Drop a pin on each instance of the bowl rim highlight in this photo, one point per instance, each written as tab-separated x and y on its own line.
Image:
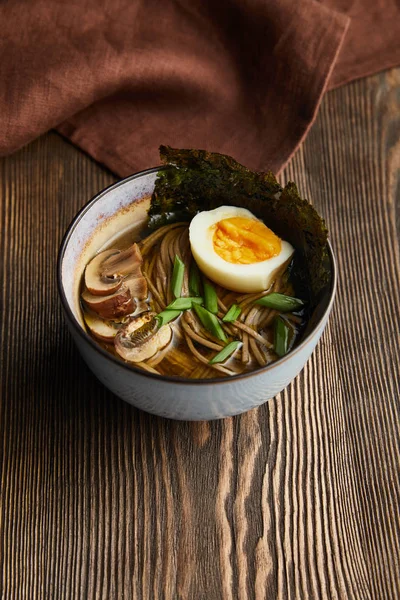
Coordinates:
171	378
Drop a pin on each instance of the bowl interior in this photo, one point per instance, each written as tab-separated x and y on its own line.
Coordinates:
118	209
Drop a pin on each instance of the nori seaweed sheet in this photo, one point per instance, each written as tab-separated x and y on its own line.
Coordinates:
196	180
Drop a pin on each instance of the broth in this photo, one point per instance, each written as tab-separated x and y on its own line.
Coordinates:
192	345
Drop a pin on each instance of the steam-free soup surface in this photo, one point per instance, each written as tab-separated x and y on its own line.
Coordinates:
191	339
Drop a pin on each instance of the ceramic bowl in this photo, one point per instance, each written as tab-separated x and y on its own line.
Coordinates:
121	207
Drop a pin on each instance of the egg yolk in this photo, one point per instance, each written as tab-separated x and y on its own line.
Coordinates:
245	241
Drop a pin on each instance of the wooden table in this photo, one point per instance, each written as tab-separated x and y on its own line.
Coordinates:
298	499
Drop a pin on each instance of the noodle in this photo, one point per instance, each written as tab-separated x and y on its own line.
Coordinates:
251	332
222	305
147	367
192	345
257	353
173	240
202	359
294	318
154	292
149	242
245	349
167	249
199	339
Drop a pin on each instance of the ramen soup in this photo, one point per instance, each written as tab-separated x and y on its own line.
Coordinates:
213	297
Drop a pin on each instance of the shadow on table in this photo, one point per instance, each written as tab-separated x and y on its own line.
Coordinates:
62	385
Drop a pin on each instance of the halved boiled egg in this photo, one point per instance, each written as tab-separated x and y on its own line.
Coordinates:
235	249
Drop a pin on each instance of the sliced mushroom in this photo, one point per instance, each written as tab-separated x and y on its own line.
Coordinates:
106	271
126	262
113	306
142	337
101	329
96	282
137	286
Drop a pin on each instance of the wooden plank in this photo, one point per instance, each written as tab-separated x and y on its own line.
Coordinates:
298	499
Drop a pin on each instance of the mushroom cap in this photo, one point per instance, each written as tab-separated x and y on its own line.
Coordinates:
112	306
105	273
142	337
96	281
123	262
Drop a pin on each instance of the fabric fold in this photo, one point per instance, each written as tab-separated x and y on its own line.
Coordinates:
119	78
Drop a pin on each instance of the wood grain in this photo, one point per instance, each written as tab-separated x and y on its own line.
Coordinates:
296	500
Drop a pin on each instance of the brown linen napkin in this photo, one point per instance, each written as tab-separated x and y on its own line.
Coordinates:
372	42
121	77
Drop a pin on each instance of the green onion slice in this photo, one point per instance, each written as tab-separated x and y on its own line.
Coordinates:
232	314
194	279
210	322
281	336
225	353
167	315
280	302
184	303
210	297
177	277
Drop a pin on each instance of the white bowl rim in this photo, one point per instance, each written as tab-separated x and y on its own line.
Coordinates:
171	378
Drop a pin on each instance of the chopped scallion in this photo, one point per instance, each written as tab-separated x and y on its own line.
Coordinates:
225	352
177	277
232	314
210	297
210	322
184	303
281	336
167	315
194	279
280	302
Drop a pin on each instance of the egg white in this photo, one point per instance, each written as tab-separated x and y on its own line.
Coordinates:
244	278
